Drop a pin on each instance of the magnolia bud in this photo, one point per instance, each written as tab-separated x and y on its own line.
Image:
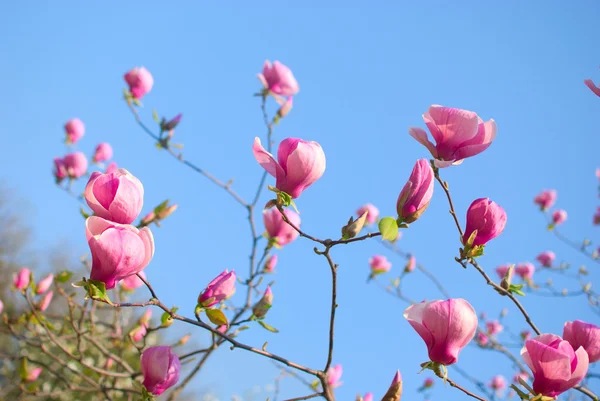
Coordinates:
167	211
262	307
394	393
353	228
183	340
507	279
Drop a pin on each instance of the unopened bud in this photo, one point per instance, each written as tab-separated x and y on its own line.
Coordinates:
507	279
183	340
583	271
262	307
148	219
354	227
166	212
285	108
411	264
270	264
170	125
394	393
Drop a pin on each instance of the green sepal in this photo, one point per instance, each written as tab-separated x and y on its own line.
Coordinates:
217	317
388	228
516	289
268	327
84	213
97	290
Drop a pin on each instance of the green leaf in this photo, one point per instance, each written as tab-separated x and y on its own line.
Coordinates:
516	289
23	369
97	290
155	116
216	316
388	228
268	327
64	276
84	213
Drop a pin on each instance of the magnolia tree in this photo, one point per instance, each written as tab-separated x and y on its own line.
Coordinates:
101	348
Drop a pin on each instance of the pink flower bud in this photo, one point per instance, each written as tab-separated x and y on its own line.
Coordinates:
33	374
520	375
112	167
428	383
458	134
1	306
525	335
60	170
103	152
118	250
278	78
145	318
525	270
586	335
160	367
482	339
277	229
221	288
494	327
109	364
264	304
139	332
497	383
167	211
545	199
171	124
546	258
75	130
502	270
556	367
44	284
286	107
45	301
222	329
270	264
373	214
117	196
559	217
590	84
487	218
379	264
410	264
416	194
149	218
132	282
140	82
299	164
445	326
21	279
74	164
334	374
394	392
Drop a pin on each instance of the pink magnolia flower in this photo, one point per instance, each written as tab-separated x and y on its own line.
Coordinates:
299	164
103	152
334	374
73	165
74	129
45	301
373	214
270	264
117	196
140	82
417	192
278	78
112	167
525	270
277	229
458	134
21	279
520	375
590	84
221	288
379	264
410	264
160	367
559	217
546	258
494	327
132	282
33	374
43	285
502	270
586	335
368	397
545	199
498	383
487	218
482	339
445	326
556	367
118	250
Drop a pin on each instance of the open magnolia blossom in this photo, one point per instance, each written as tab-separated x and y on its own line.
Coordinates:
458	134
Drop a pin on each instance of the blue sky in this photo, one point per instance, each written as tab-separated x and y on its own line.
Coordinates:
367	72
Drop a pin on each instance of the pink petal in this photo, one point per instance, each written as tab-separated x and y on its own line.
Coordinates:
266	160
421	136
